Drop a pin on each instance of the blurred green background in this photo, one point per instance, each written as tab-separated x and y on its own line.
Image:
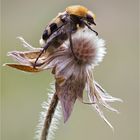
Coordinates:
23	93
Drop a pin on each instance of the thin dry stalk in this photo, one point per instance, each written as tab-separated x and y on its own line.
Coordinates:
49	117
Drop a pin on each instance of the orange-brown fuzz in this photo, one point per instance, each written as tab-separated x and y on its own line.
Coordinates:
77	10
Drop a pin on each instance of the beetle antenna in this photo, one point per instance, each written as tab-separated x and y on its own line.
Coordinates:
90	28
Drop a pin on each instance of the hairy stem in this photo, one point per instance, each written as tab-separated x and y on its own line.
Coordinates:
49	117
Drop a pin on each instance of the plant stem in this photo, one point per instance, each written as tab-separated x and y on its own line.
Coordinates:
49	117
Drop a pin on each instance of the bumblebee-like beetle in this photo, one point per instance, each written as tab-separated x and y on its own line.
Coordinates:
63	26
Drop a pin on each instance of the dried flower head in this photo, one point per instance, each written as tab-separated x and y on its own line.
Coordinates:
72	76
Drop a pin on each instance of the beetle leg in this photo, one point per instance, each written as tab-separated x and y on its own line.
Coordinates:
42	51
71	44
47	45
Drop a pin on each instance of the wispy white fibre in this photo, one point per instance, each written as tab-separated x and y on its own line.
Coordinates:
55	120
27	45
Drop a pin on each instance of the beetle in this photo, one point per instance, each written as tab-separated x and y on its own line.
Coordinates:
64	25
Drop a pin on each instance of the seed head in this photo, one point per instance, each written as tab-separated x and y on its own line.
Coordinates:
88	48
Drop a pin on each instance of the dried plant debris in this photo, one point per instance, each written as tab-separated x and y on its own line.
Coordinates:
72	75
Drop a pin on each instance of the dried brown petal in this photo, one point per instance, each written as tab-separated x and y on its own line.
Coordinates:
24	67
28	57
